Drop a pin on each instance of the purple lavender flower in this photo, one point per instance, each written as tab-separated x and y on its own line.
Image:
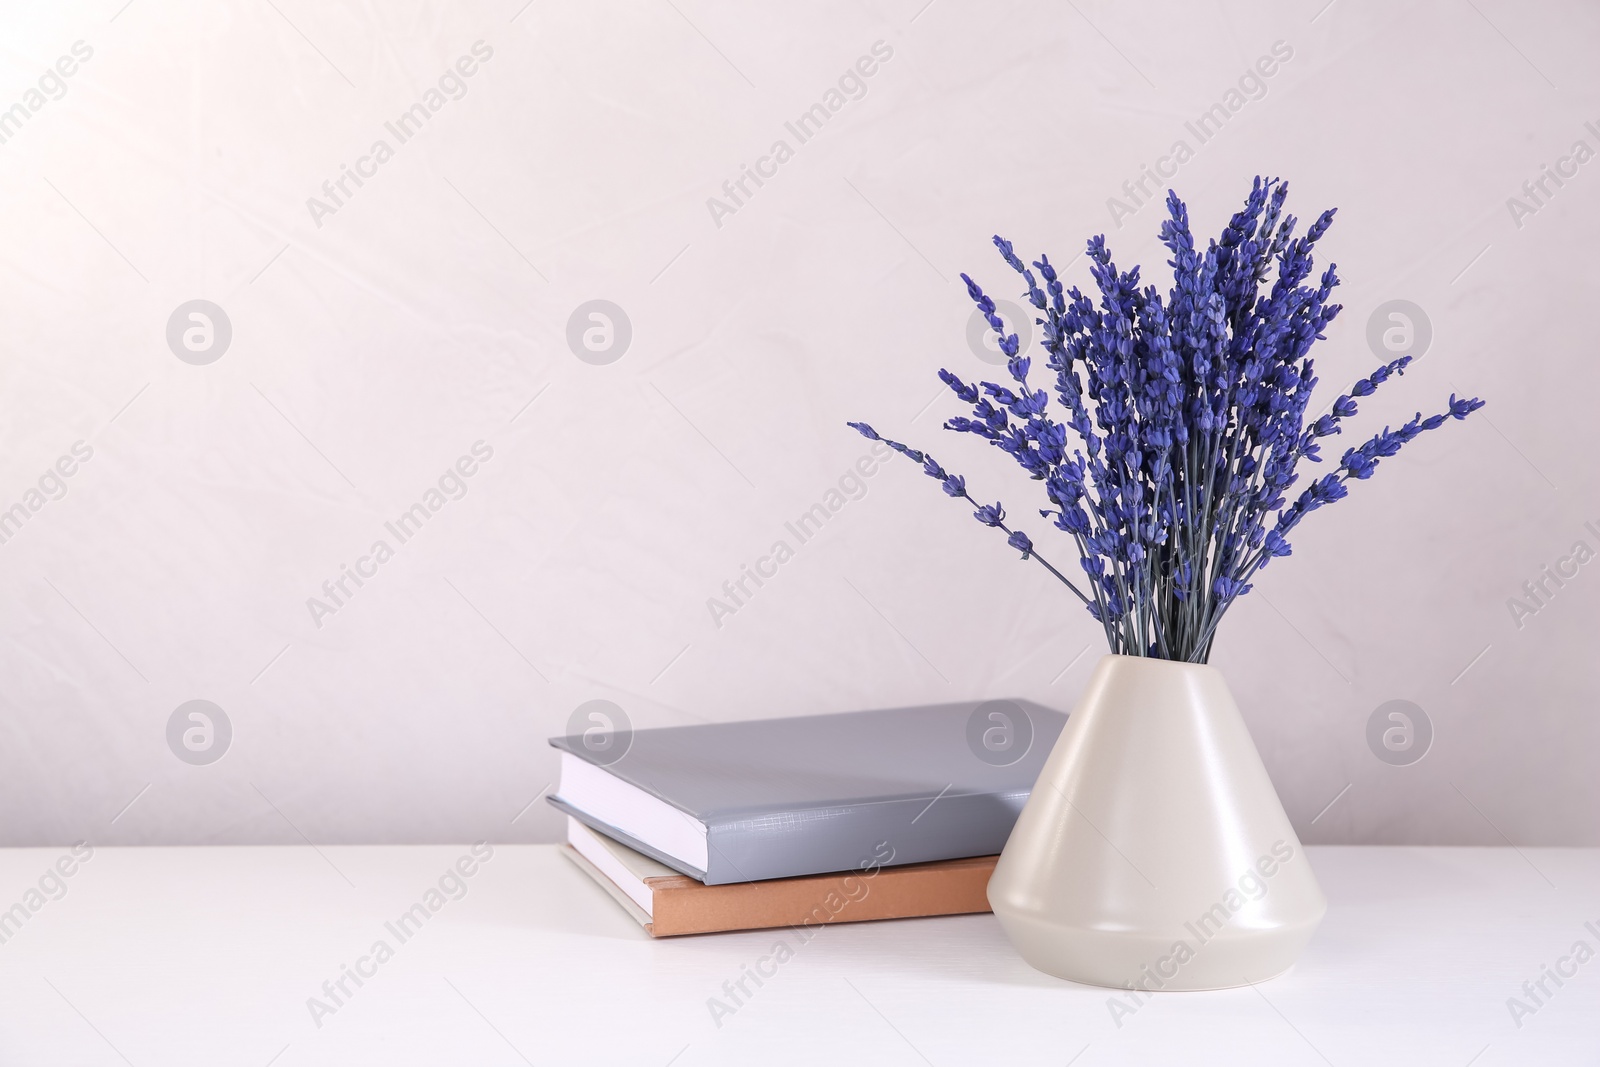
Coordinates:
1191	413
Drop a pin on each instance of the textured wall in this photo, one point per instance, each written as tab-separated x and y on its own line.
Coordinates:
419	338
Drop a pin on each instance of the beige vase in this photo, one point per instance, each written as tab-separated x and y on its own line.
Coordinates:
1153	852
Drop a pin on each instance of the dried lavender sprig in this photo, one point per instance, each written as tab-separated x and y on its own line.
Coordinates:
955	486
1357	464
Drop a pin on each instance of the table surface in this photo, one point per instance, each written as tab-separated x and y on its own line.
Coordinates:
173	956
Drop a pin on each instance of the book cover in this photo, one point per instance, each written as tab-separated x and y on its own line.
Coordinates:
780	798
668	904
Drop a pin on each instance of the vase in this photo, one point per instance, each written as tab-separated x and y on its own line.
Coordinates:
1153	852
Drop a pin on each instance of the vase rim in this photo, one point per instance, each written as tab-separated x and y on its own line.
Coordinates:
1177	663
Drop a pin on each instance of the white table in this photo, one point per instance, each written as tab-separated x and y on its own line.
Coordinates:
207	956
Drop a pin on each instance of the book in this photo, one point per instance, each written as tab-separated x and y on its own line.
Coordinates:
784	798
669	904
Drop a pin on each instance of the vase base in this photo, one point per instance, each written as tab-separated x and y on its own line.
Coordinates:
1156	963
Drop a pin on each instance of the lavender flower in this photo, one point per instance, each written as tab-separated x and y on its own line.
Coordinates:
1187	416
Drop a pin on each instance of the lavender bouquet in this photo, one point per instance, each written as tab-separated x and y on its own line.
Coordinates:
1189	415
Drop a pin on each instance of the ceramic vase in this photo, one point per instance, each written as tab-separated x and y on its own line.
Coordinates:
1153	852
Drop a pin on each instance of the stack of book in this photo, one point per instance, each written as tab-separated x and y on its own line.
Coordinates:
818	819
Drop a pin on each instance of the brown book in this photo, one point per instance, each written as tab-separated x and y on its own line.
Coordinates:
667	903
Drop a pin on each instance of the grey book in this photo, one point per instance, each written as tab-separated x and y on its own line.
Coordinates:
780	798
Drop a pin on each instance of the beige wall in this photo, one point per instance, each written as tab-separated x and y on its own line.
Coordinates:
378	338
